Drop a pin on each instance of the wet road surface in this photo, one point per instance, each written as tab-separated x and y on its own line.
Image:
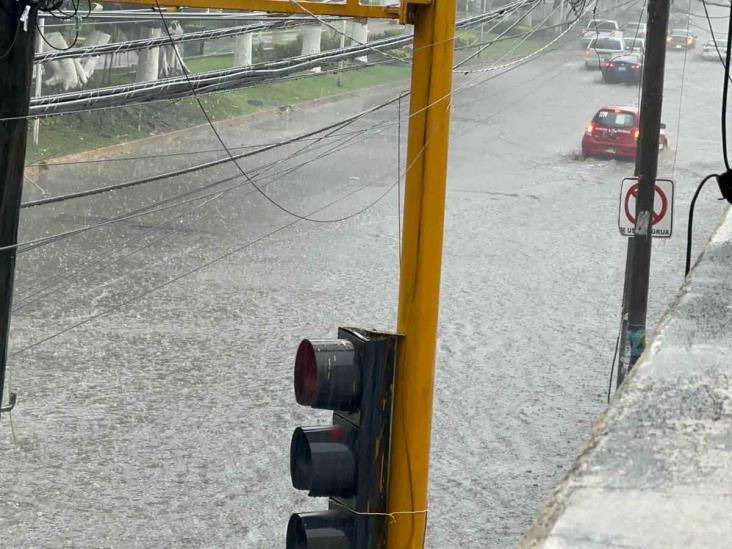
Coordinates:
166	421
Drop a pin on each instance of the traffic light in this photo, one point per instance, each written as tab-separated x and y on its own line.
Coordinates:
348	460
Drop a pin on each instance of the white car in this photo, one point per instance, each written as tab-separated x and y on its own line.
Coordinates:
712	51
600	29
600	50
635	45
635	30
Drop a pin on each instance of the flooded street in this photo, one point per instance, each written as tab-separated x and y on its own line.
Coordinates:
162	415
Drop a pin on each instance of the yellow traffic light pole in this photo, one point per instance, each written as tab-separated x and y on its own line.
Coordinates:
424	209
419	283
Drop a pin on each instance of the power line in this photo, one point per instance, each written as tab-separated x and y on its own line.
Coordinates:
198	268
229	158
725	90
146	43
511	26
53	282
339	146
711	30
203	83
158	156
220	139
177	173
221	80
535	53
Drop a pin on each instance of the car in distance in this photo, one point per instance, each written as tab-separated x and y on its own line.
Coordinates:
600	50
635	45
714	48
635	30
599	28
680	39
623	68
613	132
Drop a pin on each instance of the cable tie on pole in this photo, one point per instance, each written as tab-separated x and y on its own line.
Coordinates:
392	515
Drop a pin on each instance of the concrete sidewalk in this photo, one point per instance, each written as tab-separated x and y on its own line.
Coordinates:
657	470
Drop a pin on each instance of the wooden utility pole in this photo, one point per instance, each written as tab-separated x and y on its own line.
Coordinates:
638	259
17	37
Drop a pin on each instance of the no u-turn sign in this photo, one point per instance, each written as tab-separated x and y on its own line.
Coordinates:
663	208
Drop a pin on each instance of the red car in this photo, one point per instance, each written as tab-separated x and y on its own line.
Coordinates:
614	132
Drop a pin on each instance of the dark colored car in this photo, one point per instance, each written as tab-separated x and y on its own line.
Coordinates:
614	132
680	39
624	68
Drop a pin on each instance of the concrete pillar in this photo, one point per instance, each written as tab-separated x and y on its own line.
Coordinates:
311	41
62	71
243	50
169	63
148	61
96	38
529	19
360	35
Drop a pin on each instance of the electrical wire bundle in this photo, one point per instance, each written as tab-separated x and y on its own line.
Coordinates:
724	180
255	175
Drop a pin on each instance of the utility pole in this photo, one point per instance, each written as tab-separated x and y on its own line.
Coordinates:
419	281
344	23
17	35
638	259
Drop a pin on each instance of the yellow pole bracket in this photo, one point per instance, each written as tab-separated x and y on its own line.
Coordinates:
350	8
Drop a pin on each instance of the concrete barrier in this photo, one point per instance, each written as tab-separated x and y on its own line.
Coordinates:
657	469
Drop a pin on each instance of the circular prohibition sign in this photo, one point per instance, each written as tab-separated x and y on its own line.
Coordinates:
657	216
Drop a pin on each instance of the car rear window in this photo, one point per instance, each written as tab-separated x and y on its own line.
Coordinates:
631	58
606	44
615	119
602	25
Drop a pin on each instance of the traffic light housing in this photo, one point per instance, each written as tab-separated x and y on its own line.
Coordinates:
348	460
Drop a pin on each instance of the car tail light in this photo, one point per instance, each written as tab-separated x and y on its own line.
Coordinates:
609	65
689	41
636	134
589	128
635	66
588	53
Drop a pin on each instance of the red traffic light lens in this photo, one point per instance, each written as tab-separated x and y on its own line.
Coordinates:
306	374
327	375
